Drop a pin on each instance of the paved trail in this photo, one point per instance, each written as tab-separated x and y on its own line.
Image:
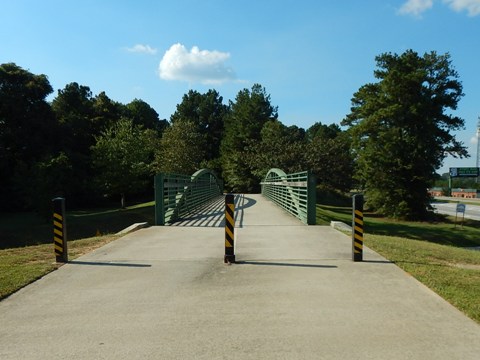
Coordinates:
164	293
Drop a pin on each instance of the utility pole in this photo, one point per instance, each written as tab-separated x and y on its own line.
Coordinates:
478	144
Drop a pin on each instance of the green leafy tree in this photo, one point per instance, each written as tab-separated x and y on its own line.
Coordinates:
328	155
122	158
106	112
143	114
243	125
321	131
49	179
280	146
208	113
27	130
74	109
182	149
401	130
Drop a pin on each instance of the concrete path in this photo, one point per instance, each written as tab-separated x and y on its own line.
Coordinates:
164	293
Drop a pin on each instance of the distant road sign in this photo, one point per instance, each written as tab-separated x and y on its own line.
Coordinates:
464	172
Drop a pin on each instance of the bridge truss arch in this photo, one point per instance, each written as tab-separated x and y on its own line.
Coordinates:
177	195
295	193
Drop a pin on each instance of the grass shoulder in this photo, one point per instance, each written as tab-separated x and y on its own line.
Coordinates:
26	243
22	266
432	252
25	229
452	272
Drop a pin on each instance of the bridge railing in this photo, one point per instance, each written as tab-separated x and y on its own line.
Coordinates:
295	193
177	195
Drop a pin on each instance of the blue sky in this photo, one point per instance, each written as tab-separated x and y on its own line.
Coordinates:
311	56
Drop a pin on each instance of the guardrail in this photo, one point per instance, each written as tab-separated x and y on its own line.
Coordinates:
177	195
295	193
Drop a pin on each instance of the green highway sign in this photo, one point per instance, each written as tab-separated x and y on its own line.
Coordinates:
464	172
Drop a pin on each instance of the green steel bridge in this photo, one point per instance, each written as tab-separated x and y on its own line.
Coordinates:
198	199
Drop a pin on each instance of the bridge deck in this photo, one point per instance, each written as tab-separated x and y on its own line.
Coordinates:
212	213
164	293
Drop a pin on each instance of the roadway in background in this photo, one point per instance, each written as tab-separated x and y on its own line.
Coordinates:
449	208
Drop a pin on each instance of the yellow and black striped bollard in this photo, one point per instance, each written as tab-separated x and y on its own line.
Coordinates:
229	229
60	230
357	228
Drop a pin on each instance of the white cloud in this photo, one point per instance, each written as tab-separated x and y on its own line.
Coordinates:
144	49
415	7
418	7
472	6
195	66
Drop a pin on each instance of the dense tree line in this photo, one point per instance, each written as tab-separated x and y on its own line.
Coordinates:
87	147
72	146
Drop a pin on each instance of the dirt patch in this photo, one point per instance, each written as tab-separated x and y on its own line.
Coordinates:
466	266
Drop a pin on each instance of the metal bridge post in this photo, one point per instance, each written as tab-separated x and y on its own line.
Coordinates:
229	229
60	230
159	200
311	199
357	228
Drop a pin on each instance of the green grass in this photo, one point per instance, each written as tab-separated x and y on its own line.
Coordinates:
27	240
432	252
453	273
442	231
22	266
25	229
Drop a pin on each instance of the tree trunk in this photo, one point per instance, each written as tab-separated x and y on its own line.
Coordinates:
122	200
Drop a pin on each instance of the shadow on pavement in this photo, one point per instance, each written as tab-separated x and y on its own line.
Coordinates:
212	214
75	262
262	263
